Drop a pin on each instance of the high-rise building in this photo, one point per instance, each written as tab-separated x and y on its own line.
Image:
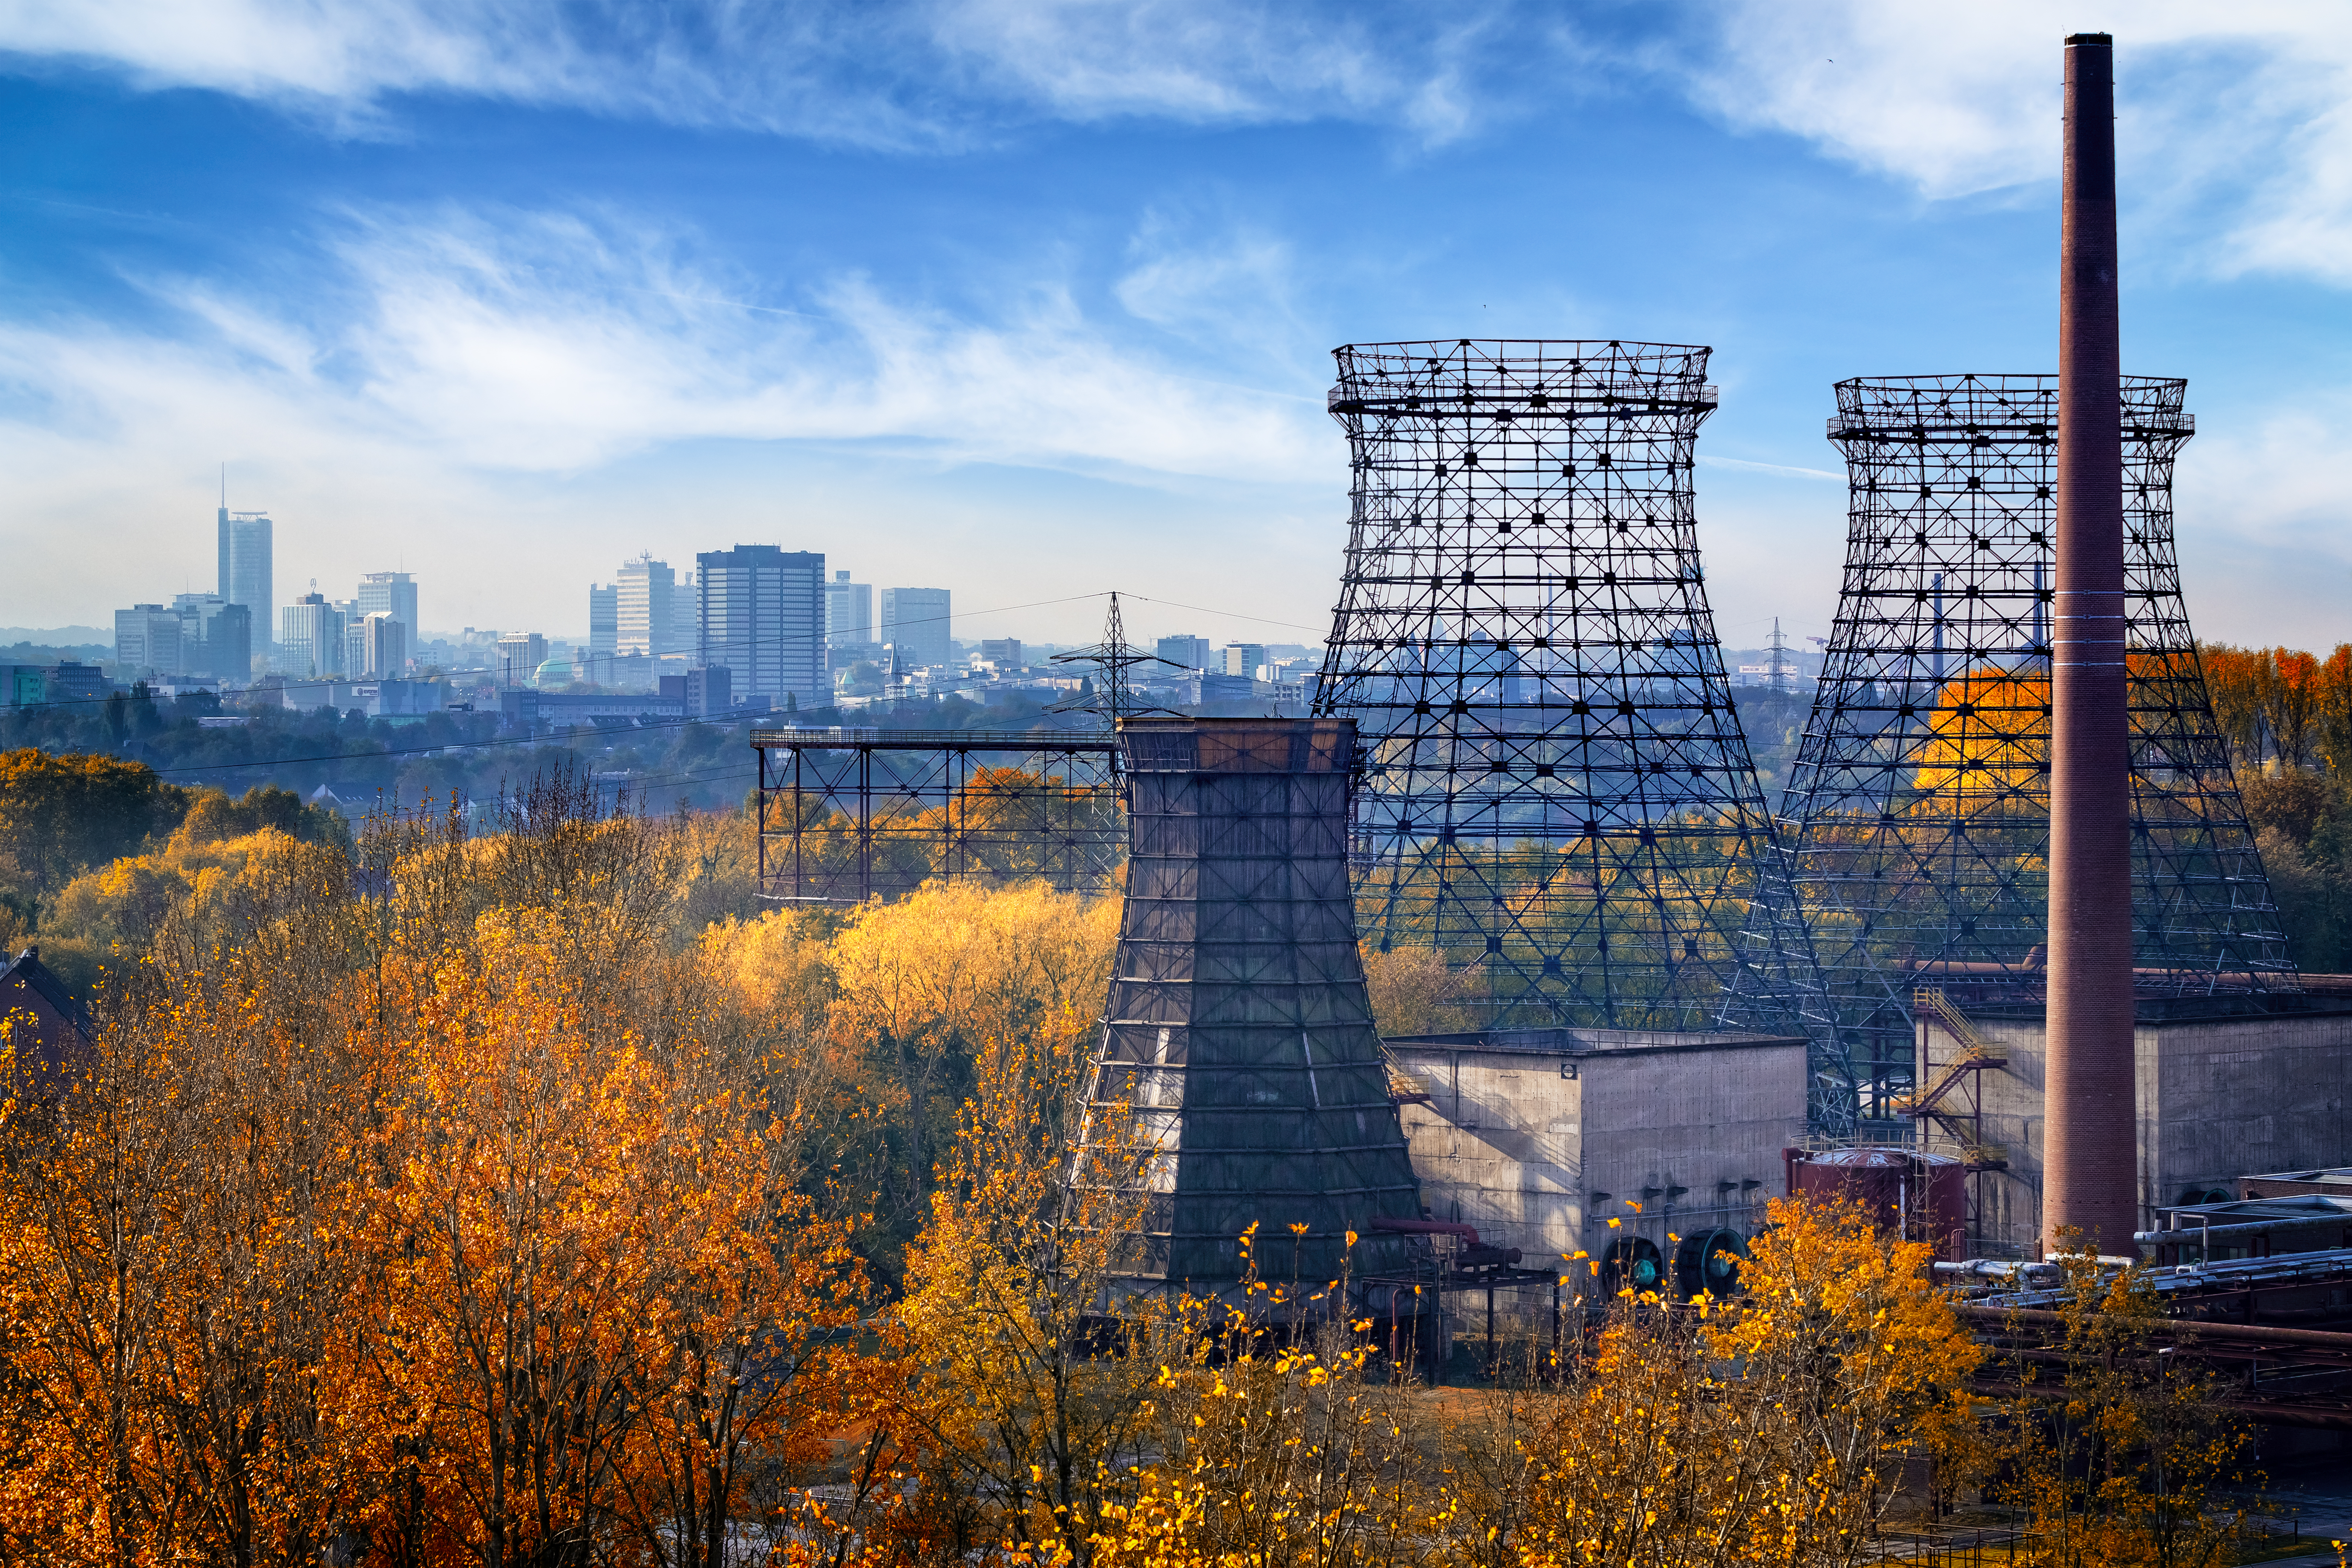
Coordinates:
849	612
147	637
394	593
603	620
1243	659
246	569
519	656
215	637
685	640
1186	652
1003	652
761	612
311	637
378	647
647	613
915	622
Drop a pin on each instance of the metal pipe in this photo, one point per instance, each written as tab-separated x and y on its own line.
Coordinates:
2091	1171
2210	1233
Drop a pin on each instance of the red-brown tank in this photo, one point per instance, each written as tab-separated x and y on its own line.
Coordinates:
1924	1194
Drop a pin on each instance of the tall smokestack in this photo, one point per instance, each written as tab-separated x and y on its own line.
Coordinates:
2092	1172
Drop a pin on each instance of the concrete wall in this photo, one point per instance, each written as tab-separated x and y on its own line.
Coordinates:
2218	1097
1514	1146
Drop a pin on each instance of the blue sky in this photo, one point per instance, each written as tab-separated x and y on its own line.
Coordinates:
1033	300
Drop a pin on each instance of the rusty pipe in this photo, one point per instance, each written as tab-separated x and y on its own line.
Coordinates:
2091	1174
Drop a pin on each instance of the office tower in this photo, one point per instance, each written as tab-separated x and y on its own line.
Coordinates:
1185	652
1003	652
246	571
197	612
915	622
1243	659
849	612
647	611
393	594
147	636
603	620
380	646
519	656
311	637
763	618
685	640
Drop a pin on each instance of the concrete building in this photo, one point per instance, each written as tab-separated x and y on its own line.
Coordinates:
685	625
528	711
147	638
519	656
849	612
1185	652
1243	659
215	637
70	680
2224	1085
1004	653
311	637
646	611
247	571
22	685
704	689
761	616
915	622
393	594
1540	1137
378	647
603	621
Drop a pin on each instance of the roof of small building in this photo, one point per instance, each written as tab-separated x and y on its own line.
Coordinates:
28	970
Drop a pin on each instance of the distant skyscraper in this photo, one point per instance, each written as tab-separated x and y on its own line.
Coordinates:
763	618
1191	653
519	656
849	612
311	637
245	568
1003	652
147	637
215	637
603	620
394	593
647	615
915	622
380	646
687	640
1243	659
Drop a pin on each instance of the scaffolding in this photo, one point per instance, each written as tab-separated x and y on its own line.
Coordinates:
1916	818
1557	791
851	815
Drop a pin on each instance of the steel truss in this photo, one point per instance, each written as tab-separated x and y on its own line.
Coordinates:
1918	813
847	815
1556	790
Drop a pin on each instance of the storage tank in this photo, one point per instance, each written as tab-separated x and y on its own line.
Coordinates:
1922	1194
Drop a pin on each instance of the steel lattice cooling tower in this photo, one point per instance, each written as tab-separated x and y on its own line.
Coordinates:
1238	1032
1557	789
1917	812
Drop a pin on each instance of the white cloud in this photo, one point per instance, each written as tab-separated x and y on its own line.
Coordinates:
2233	135
557	341
922	73
513	396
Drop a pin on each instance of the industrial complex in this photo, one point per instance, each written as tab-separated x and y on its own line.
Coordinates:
2006	967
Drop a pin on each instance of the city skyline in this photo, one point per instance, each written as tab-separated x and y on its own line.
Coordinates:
1043	314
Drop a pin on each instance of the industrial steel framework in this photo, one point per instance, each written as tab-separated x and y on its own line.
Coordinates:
850	814
1557	789
1916	818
